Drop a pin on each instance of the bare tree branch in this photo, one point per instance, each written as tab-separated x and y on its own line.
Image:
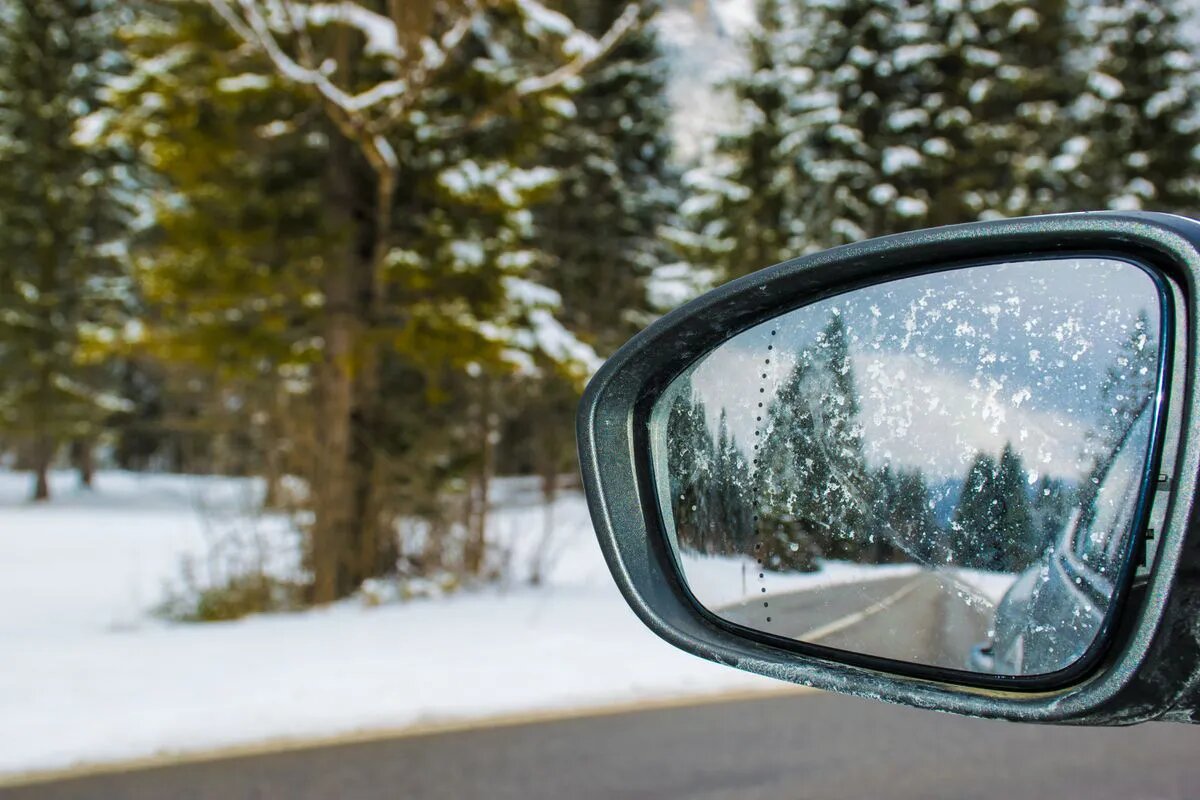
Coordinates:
343	108
604	45
423	58
255	32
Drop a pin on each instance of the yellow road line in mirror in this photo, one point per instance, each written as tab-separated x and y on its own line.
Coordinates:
858	616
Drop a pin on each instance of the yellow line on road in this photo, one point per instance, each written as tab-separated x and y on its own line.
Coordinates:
434	728
858	616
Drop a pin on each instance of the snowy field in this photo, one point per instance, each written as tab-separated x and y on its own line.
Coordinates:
89	674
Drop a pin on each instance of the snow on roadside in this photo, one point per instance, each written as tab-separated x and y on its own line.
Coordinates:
88	675
991	585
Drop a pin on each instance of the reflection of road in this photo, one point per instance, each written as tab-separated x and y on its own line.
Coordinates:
919	618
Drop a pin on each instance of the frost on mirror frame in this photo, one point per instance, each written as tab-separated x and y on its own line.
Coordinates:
943	470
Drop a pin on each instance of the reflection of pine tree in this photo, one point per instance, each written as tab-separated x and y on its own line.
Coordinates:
690	459
1129	382
904	528
975	526
815	487
1017	539
1126	395
708	480
786	466
730	522
993	526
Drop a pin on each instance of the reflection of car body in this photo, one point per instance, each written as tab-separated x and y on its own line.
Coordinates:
1048	618
1053	612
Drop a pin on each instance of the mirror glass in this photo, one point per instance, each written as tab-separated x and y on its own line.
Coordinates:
944	469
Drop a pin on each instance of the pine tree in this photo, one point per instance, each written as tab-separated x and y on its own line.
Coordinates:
1139	117
600	228
691	466
812	476
1018	540
598	231
739	210
757	206
703	237
376	208
904	528
1004	83
865	117
993	526
62	220
974	529
852	120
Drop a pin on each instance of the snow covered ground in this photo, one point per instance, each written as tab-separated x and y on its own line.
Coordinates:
992	586
89	674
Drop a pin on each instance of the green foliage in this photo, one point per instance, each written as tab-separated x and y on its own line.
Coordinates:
902	515
232	189
863	117
993	526
600	229
1138	128
198	246
63	211
712	506
241	596
278	261
813	478
597	232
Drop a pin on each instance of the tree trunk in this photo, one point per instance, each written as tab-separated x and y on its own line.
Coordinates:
476	545
272	480
42	456
349	533
272	433
331	483
331	479
434	550
371	533
537	572
84	461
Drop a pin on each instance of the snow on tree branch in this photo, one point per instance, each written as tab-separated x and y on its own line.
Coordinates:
592	52
258	23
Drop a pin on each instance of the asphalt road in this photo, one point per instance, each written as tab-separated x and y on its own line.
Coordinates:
777	748
918	618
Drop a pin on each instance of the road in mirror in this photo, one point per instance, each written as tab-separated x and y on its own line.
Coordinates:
943	469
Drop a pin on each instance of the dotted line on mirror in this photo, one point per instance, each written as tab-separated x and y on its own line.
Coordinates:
760	428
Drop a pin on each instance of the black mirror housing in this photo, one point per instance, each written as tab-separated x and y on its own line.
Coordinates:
1150	666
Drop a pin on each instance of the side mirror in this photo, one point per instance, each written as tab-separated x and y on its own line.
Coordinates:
953	469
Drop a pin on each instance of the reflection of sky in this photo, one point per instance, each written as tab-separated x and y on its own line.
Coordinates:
956	362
